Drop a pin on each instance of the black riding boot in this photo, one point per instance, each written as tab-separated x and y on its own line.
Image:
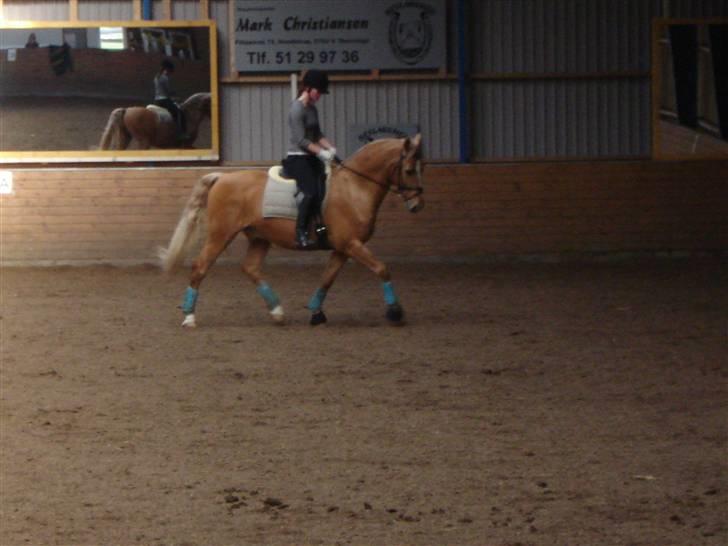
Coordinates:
304	207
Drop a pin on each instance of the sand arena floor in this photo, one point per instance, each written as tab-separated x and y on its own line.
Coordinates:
520	404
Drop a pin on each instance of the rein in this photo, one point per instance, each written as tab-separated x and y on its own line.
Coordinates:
399	189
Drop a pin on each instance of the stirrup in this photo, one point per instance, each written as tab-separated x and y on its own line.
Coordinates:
302	240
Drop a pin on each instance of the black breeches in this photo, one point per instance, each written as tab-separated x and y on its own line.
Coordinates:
170	105
309	173
174	110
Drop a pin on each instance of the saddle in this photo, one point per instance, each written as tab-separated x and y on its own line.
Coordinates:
165	116
281	196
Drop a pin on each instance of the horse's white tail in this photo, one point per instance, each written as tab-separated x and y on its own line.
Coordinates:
113	126
174	254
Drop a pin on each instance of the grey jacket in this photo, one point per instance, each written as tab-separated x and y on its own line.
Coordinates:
304	127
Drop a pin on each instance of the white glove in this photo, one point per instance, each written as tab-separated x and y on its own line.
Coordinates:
325	155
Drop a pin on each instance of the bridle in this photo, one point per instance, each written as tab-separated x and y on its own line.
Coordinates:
400	187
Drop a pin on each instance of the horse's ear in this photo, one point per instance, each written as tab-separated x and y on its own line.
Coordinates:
412	143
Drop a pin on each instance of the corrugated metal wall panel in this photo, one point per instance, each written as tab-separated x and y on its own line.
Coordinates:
253	121
696	8
219	13
430	104
158	10
40	10
561	118
255	126
105	10
561	35
552	118
186	9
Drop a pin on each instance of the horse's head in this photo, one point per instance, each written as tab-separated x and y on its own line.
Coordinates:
408	173
399	160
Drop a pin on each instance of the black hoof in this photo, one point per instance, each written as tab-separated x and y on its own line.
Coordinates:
394	313
318	318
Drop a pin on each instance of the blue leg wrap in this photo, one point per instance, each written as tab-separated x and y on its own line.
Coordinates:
390	298
270	297
188	305
317	300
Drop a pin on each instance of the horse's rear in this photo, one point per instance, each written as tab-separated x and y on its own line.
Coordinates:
140	124
115	135
230	203
148	129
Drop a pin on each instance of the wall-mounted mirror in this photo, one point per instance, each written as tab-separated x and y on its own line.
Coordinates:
79	91
690	93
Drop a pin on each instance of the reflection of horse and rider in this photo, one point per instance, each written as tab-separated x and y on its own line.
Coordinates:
163	124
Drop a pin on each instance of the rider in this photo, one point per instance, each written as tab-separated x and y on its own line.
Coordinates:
308	149
163	95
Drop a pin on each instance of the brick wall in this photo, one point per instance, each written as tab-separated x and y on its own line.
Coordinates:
120	215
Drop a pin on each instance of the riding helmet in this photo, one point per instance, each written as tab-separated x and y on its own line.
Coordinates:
168	65
318	79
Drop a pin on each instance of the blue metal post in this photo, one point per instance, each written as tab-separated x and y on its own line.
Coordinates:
147	10
462	85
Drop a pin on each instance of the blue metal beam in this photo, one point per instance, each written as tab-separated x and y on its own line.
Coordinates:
463	84
147	10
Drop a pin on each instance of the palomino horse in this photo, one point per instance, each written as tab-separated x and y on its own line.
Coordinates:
154	126
356	190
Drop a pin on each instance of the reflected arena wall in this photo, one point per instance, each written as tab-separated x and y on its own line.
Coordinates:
97	73
474	212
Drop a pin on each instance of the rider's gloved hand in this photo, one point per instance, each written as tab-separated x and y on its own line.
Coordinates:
336	158
325	155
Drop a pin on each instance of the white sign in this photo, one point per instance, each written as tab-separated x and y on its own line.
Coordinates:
280	35
12	55
6	183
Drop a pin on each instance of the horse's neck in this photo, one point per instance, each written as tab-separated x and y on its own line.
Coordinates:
369	172
193	112
375	164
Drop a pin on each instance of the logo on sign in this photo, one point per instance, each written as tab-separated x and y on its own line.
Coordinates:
410	31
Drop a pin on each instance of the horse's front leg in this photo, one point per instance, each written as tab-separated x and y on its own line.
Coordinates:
252	264
364	256
315	304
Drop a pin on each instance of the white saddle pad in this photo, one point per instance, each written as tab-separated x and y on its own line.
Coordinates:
162	113
279	195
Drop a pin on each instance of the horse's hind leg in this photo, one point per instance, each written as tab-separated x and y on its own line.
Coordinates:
364	256
316	303
257	250
124	139
215	244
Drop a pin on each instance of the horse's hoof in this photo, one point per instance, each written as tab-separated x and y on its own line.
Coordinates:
277	315
394	313
318	318
189	321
